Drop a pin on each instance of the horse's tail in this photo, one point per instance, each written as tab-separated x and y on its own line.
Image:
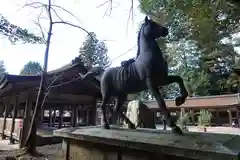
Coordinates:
95	71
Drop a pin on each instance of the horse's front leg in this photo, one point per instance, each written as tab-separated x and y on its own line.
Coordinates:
161	103
177	79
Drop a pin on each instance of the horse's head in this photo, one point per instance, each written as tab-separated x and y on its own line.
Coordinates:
154	30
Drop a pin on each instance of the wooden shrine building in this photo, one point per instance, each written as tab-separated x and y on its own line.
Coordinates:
224	108
68	92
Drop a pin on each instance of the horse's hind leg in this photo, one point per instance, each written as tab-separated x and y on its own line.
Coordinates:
105	98
177	79
161	103
117	110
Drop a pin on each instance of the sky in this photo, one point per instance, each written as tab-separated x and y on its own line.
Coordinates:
119	34
66	40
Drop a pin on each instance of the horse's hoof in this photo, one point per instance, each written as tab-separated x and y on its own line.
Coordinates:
106	126
180	100
177	130
132	126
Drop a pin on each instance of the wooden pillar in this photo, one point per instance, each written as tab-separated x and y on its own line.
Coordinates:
78	114
93	112
74	115
1	109
60	117
26	120
182	112
50	117
87	116
54	117
72	110
237	117
42	115
230	117
192	115
5	119
77	119
15	111
217	117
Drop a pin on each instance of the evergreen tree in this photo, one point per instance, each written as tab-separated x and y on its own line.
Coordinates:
31	68
15	33
199	46
2	69
93	52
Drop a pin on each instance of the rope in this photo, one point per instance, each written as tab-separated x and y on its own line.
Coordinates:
119	56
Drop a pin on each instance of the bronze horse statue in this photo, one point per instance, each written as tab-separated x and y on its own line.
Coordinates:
148	71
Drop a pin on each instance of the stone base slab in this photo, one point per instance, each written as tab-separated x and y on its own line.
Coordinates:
86	143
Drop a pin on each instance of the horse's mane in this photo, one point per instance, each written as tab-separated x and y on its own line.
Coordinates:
138	40
130	61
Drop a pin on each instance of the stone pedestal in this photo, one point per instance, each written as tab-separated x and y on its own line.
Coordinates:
95	143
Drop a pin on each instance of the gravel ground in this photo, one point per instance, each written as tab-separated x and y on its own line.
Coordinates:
50	152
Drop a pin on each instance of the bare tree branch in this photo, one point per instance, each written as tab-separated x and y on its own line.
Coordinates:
55	79
43	92
102	4
40	27
57	14
130	14
67	12
110	6
49	88
73	25
34	5
81	77
64	83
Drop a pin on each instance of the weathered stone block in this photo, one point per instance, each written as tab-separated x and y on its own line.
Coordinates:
87	143
140	115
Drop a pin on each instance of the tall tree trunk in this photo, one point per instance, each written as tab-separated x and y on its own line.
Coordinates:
32	134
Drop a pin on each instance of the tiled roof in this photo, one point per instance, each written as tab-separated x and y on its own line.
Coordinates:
68	72
201	102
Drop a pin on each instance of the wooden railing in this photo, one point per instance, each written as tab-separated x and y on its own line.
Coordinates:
17	128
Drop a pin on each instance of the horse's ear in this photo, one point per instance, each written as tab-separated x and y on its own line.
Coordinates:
146	19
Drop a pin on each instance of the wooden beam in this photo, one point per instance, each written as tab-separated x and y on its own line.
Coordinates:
6	89
57	97
22	95
77	99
